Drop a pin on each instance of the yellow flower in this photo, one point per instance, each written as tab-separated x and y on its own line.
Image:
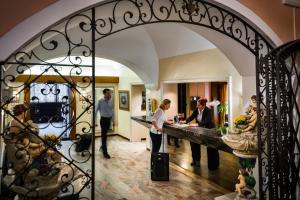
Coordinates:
50	137
53	140
240	119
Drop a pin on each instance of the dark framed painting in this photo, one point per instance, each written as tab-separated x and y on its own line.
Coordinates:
124	100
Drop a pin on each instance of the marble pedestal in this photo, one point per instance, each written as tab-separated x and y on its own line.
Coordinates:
231	196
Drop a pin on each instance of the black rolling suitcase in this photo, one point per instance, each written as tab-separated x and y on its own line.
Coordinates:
83	142
160	165
212	158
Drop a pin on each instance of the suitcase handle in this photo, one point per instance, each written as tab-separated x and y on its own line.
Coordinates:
163	142
162	135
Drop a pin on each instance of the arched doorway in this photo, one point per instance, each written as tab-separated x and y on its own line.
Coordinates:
111	17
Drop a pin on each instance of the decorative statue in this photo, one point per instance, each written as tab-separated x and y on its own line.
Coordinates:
34	171
243	137
242	181
243	140
245	186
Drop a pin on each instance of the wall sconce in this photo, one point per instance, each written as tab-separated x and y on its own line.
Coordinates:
15	96
83	94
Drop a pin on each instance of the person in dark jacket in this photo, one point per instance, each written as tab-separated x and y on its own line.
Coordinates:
202	114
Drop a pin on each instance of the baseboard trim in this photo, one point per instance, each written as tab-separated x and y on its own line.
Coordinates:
109	134
117	134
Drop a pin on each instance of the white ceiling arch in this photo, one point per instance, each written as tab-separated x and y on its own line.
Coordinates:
140	48
38	22
104	67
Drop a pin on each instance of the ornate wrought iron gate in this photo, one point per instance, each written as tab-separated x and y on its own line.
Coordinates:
279	140
40	168
73	43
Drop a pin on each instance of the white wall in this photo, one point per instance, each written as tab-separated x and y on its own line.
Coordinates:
249	88
170	92
126	79
138	131
204	66
85	121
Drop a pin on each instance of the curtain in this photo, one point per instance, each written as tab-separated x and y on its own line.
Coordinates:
72	115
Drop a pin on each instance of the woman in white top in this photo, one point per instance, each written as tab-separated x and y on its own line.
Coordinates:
158	120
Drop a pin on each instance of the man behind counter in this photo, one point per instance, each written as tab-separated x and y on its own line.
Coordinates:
203	117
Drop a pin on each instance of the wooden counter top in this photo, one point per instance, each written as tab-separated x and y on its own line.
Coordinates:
207	137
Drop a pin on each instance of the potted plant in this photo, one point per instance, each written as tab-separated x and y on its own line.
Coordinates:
222	129
222	109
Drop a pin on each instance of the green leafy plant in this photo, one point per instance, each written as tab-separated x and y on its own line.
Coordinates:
221	129
222	109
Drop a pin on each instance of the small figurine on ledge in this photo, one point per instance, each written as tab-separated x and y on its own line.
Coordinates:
251	115
242	181
245	187
243	136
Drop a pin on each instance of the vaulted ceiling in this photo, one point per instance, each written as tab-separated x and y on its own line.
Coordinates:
142	47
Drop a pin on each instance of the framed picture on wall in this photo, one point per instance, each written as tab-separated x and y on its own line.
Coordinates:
143	106
124	100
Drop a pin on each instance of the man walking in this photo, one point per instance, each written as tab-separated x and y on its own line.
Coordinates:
105	107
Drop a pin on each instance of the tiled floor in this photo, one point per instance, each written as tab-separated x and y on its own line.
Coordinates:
127	176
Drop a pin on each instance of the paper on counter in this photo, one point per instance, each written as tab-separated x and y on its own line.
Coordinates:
181	125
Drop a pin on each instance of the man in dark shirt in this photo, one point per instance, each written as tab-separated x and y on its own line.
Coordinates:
202	115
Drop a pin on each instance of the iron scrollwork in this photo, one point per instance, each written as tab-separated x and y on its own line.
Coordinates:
280	134
52	170
132	13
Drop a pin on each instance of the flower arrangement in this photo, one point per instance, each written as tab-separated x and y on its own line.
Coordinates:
240	120
52	140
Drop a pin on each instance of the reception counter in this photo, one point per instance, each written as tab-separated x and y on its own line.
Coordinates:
207	137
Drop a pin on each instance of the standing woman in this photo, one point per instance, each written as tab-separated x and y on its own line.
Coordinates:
202	115
158	120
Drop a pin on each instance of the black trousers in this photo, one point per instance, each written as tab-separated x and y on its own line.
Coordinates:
105	124
156	141
175	139
196	151
212	158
